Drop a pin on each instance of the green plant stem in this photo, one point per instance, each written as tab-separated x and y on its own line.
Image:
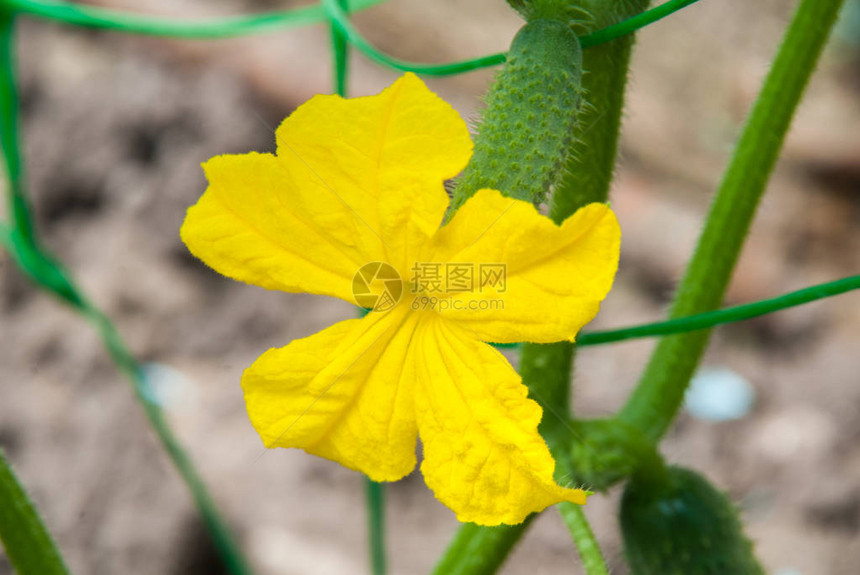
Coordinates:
630	25
580	531
153	26
17	205
28	543
340	19
656	400
476	550
590	163
375	495
340	53
546	368
727	315
710	319
50	275
602	36
586	178
222	539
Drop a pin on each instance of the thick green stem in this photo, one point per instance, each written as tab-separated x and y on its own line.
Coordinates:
477	550
656	400
587	175
590	164
589	551
28	544
546	368
588	170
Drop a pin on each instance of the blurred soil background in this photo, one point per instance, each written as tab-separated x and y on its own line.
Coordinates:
115	128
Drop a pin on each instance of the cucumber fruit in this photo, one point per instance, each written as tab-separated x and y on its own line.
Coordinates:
530	114
676	523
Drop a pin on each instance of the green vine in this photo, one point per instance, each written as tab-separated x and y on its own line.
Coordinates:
17	205
93	17
606	35
28	543
656	400
44	269
733	314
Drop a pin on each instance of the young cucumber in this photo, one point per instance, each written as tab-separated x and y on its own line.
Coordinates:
530	115
678	524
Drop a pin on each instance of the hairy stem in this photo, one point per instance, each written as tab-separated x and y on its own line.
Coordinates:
587	175
583	537
546	368
656	400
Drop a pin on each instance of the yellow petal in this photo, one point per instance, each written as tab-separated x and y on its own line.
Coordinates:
354	181
383	157
555	276
251	225
483	456
345	393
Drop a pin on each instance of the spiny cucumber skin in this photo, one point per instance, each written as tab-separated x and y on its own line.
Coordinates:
530	115
683	526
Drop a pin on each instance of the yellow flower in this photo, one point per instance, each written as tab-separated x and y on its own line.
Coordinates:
360	181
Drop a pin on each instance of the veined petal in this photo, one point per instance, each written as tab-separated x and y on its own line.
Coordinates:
483	455
554	276
354	181
345	393
249	226
382	157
